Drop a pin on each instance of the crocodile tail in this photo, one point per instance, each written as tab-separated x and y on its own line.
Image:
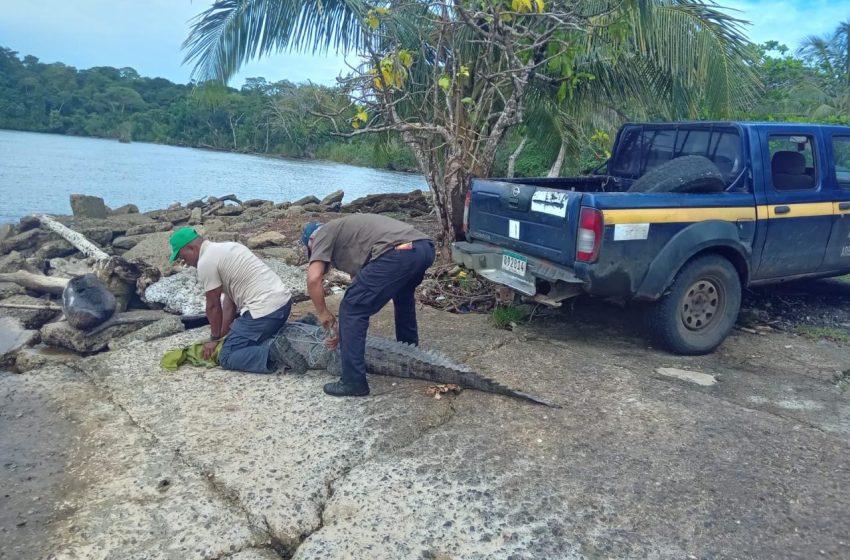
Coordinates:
397	359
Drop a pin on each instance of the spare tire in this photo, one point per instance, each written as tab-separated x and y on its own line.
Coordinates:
686	174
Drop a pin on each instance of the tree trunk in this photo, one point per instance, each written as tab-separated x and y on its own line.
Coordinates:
513	157
555	170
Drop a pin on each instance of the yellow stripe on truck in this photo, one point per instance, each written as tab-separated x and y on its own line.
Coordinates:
726	214
677	215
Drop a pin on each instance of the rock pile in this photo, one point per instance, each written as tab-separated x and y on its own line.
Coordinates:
122	254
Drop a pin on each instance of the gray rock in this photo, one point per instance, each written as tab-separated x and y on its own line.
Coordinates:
176	216
102	235
266	239
12	262
256	202
153	250
9	289
283	205
196	217
69	268
23	241
163	327
143	229
6	231
310	199
63	335
335	196
29	318
294	211
213	225
14	337
335	207
179	293
29	359
313	208
126	209
223	236
229	210
88	206
87	302
55	249
174	206
27	223
126	243
285	254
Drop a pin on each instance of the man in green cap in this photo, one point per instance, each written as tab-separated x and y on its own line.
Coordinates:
245	300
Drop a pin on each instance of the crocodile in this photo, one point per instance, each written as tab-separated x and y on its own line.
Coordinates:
301	345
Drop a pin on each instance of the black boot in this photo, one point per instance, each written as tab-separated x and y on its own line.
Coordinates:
343	389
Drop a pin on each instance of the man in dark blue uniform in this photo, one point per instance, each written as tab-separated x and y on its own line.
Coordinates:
387	260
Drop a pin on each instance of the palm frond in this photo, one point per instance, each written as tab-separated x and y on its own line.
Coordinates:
232	32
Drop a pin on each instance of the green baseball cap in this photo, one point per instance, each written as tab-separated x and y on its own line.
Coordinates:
180	239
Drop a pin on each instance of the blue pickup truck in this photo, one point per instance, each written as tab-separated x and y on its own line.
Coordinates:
682	216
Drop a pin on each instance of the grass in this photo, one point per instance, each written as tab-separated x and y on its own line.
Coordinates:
831	333
506	317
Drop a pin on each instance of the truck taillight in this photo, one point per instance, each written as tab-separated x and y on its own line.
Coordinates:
466	202
589	235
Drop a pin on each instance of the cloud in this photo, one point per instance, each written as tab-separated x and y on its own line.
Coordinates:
789	21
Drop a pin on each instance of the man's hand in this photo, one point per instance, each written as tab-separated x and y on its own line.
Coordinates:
209	349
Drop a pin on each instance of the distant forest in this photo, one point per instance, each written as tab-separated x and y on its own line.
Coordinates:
280	118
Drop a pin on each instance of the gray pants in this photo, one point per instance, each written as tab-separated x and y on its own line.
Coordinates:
246	347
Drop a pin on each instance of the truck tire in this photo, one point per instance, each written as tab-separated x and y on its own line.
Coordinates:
699	309
686	174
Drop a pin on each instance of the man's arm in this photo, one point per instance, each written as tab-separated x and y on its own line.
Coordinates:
228	314
214	316
316	291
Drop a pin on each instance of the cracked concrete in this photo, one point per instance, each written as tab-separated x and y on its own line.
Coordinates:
262	467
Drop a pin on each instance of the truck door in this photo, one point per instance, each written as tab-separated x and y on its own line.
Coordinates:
798	209
838	252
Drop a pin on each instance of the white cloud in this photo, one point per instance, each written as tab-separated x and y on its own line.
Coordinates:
789	21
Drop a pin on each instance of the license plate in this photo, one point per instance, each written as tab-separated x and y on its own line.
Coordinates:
514	263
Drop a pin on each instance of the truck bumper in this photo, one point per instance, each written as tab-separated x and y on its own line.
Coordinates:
543	280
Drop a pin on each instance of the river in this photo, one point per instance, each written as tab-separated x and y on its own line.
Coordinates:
38	172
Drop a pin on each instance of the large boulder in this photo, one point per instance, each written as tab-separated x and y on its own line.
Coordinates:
313	208
13	338
143	229
23	241
37	357
335	196
63	335
55	249
33	313
12	262
126	209
159	329
102	235
87	302
285	254
266	239
310	199
9	289
294	211
125	243
229	210
153	250
85	206
196	217
256	202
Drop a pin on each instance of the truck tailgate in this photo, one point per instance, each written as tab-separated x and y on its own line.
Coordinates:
529	219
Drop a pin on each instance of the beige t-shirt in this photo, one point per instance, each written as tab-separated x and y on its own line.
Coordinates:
349	243
247	280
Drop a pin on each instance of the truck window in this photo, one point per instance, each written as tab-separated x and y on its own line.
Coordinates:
792	162
841	154
643	148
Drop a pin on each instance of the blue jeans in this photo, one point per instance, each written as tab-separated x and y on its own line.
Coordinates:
246	347
392	276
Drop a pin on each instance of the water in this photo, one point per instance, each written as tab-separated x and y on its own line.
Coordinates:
38	172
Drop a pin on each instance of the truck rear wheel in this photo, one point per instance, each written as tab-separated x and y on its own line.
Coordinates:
685	174
700	307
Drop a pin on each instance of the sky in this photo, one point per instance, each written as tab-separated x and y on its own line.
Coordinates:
147	34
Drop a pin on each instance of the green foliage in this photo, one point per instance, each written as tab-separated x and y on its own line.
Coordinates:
830	333
506	317
118	103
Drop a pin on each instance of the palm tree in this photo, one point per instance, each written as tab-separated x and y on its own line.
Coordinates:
480	67
831	55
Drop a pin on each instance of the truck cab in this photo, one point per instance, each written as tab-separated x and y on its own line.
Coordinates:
715	205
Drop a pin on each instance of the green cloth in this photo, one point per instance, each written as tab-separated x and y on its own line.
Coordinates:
193	354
